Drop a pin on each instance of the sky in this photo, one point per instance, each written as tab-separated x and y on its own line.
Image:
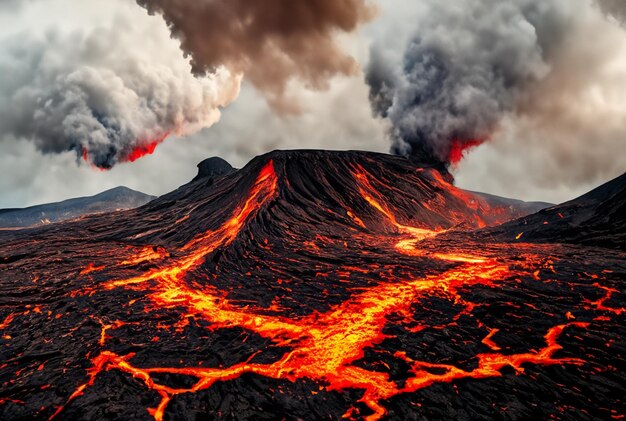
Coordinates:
538	86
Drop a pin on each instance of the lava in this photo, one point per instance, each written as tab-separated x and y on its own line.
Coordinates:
599	304
369	194
91	268
146	254
324	345
489	342
373	309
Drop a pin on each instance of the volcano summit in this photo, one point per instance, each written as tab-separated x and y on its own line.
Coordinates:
315	285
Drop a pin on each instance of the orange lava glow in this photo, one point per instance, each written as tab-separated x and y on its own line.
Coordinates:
146	254
599	304
145	148
369	194
7	321
489	342
458	149
91	268
323	346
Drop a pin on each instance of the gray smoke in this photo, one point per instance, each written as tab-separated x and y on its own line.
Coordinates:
614	8
470	64
111	88
109	93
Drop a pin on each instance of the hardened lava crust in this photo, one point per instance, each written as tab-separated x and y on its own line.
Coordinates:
316	285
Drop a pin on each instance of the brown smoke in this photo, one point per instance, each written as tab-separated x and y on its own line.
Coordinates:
270	41
614	8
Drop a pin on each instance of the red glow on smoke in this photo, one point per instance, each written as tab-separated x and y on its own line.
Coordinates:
458	148
145	148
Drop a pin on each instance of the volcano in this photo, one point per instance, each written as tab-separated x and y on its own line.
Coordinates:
316	285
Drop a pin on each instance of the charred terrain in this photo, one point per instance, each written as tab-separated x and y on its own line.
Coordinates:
319	285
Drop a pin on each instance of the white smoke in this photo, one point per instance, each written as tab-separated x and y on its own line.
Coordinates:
103	90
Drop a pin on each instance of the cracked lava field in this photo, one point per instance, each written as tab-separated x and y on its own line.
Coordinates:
310	285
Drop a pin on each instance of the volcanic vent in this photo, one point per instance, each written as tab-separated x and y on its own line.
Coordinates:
308	285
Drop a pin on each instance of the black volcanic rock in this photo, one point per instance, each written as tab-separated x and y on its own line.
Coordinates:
213	167
309	179
308	285
597	218
118	198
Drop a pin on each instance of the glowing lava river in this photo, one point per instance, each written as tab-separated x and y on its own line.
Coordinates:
309	286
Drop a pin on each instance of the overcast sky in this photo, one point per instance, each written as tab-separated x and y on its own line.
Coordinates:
570	137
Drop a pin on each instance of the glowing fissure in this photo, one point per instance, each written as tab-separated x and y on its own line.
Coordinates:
323	346
369	194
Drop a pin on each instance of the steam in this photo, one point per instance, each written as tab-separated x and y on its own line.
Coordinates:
272	42
91	92
472	64
115	86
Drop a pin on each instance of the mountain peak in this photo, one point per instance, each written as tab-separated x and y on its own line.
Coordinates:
213	167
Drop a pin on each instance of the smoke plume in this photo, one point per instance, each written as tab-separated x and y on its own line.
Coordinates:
271	41
110	94
615	8
469	65
112	90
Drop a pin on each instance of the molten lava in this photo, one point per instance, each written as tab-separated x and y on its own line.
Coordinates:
398	308
325	345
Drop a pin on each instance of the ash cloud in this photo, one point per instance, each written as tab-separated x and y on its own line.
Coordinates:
614	8
112	88
272	42
471	64
107	93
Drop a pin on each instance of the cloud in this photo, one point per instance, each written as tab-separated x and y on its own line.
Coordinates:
527	157
468	64
272	42
106	91
544	81
615	8
248	127
570	133
28	177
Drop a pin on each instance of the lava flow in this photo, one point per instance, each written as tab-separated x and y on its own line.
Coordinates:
315	299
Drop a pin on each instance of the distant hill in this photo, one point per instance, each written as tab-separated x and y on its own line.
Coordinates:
522	207
118	198
597	218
